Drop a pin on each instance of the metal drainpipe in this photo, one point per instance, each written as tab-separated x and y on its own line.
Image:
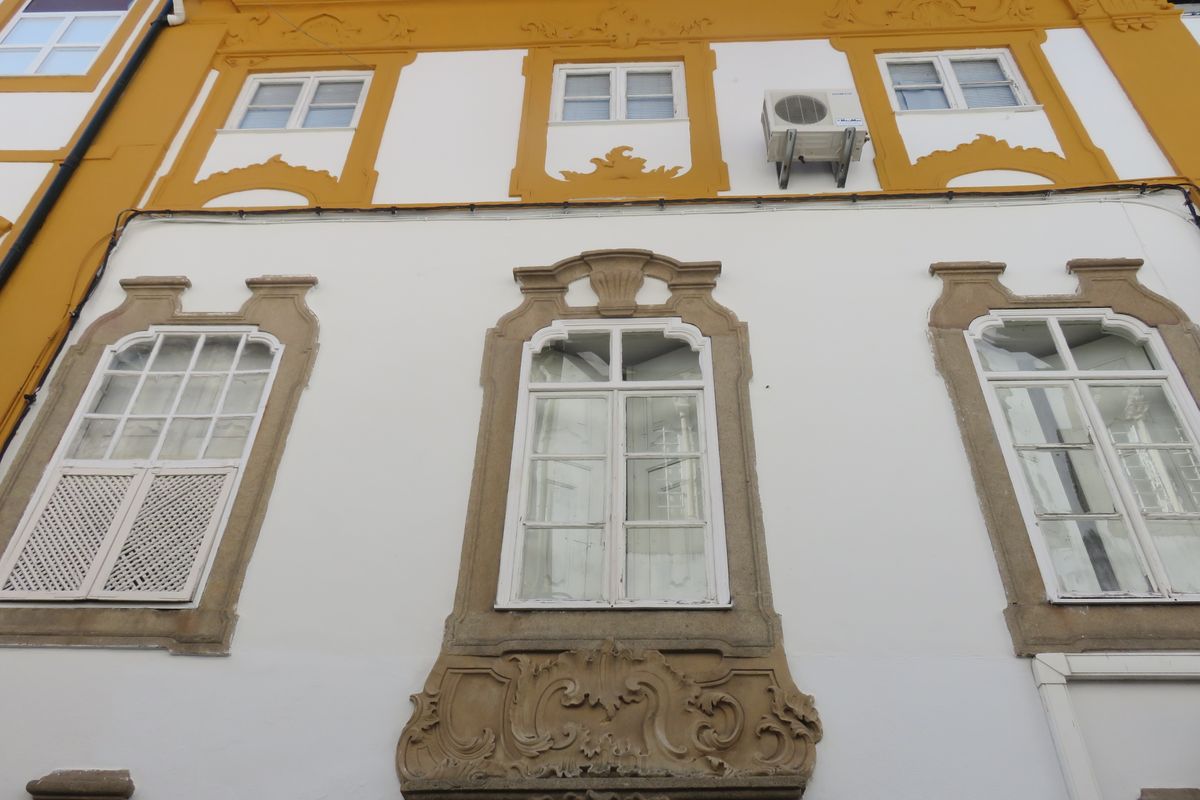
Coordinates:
74	158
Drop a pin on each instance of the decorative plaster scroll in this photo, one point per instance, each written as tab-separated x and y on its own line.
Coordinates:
614	170
987	152
925	13
621	26
1126	15
610	714
316	186
347	28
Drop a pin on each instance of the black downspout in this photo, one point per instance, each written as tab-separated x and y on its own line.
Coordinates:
74	158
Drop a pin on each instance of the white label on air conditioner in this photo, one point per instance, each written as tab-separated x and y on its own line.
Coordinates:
846	122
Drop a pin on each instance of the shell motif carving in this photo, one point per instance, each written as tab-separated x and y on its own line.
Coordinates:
616	283
610	712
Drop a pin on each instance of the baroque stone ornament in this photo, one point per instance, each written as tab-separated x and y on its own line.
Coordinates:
619	25
274	31
925	13
593	721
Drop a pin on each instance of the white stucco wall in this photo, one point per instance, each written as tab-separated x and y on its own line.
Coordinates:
1192	23
321	150
571	146
925	132
18	184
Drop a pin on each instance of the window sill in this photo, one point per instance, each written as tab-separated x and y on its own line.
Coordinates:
1125	600
552	606
351	128
917	112
586	122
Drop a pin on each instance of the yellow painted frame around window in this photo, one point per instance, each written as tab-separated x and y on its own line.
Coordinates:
620	174
73	83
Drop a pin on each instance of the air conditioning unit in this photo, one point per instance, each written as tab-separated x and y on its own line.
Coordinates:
813	125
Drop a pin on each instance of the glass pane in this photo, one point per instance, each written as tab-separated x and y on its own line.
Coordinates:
138	438
201	394
255	355
562	564
184	437
114	394
276	94
216	355
979	70
587	86
1095	348
89	30
228	438
642	83
257	118
175	354
33	30
1001	96
665	564
650	108
914	72
1178	545
93	438
1093	556
157	394
67	62
662	424
1066	481
663	489
567	491
1043	415
16	62
916	99
1165	481
133	357
334	117
651	356
1018	346
1136	414
570	425
583	110
244	393
337	92
582	358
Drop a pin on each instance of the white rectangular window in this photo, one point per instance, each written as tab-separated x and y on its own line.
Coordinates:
291	101
614	92
964	79
132	503
615	496
58	37
1097	429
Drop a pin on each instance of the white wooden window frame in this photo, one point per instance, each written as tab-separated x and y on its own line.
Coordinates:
941	60
311	81
46	49
617	390
617	83
1124	498
142	472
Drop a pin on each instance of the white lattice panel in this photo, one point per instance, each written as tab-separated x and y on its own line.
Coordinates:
68	533
171	528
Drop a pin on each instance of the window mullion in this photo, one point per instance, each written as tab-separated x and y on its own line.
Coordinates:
302	101
118	530
617	472
950	85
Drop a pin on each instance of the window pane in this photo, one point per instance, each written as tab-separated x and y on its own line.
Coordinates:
257	118
662	424
562	564
587	86
651	356
16	62
1043	415
276	94
216	355
1066	481
650	108
979	70
1095	348
138	438
570	425
665	564
201	394
1001	96
914	73
917	99
184	437
1138	414
93	438
1093	556
337	93
89	30
133	357
663	489
244	393
175	354
1178	545
67	62
1165	481
1018	346
334	117
567	491
255	355
584	110
114	394
642	83
157	394
228	438
582	358
33	30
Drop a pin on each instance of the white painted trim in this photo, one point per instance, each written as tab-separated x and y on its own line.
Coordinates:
957	101
618	74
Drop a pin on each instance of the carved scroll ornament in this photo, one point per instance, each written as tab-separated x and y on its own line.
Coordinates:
925	13
608	717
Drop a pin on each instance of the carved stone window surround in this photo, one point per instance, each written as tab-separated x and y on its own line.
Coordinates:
276	306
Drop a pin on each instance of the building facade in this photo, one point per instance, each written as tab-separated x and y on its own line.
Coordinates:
424	399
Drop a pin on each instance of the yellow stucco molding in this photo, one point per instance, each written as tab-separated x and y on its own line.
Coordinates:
617	173
350	26
5	226
620	25
988	153
1126	15
926	13
274	173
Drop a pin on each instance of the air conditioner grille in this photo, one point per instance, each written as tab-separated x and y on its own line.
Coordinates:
801	109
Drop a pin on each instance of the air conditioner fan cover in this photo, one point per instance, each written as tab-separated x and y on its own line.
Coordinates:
801	109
